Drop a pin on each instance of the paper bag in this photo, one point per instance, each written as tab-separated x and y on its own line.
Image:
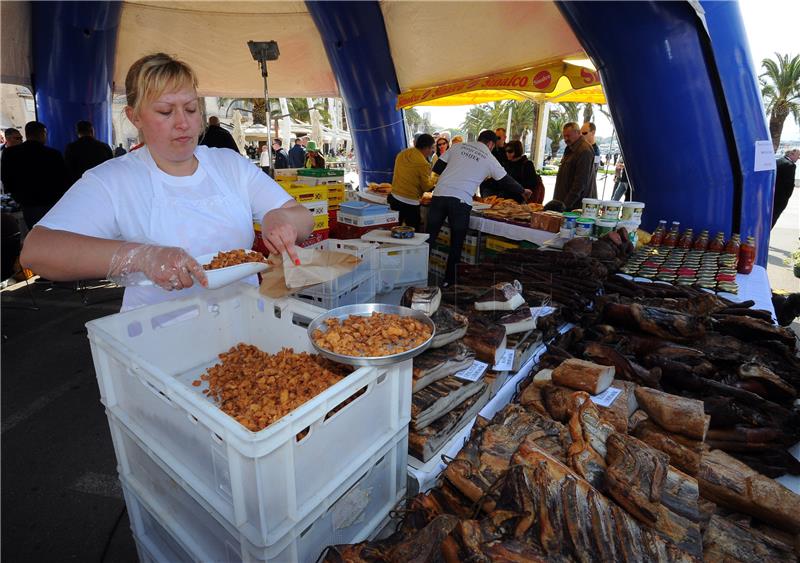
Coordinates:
316	266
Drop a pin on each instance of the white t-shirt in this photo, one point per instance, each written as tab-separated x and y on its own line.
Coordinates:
264	158
468	164
129	198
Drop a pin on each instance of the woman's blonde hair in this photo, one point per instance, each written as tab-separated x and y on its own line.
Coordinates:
152	75
457	139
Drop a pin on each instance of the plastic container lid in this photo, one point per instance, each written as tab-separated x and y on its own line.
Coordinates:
606	223
590	201
611	203
573	214
633	204
586	220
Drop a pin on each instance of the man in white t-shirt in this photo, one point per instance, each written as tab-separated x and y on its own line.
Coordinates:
461	170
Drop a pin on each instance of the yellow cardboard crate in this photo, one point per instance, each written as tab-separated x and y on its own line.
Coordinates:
286	178
500	244
320	222
304	193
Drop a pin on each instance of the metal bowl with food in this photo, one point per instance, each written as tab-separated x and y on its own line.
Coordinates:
366	310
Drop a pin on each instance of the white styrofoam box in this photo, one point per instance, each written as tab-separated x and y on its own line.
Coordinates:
173	524
319	207
263	482
401	264
330	291
368	220
359	292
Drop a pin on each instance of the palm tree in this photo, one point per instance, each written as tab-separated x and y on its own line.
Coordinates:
588	112
554	128
780	90
571	110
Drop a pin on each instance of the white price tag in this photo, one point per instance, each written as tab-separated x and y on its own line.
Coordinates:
607	397
506	362
765	156
537	312
473	372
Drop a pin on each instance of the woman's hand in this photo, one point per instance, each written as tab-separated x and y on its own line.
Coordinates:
282	228
167	267
280	238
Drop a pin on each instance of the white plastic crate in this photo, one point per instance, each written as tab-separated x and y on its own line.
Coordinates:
368	220
359	292
319	207
401	264
330	292
263	482
173	524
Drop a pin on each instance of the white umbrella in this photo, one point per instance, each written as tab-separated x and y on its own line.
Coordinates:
316	127
238	132
256	132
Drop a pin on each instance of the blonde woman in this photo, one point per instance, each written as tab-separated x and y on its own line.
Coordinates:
146	214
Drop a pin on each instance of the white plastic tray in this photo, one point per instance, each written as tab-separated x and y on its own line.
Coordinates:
173	524
262	482
386	237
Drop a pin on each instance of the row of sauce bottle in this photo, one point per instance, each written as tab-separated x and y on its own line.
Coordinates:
745	252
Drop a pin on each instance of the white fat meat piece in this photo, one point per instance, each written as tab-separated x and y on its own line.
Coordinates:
501	297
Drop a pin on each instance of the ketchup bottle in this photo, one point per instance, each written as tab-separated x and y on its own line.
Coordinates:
686	239
747	256
658	234
702	241
718	244
733	246
671	239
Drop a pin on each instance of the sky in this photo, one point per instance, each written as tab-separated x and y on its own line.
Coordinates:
771	25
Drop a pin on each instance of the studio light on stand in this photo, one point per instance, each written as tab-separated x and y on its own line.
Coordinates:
262	52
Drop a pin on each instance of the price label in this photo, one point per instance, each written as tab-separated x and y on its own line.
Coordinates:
506	362
607	397
473	372
537	312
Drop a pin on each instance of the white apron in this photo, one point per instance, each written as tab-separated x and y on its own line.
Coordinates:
219	222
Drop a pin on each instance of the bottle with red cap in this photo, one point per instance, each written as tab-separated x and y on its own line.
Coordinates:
747	256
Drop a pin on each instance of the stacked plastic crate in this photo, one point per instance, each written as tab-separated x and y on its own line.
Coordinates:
356	218
313	198
331	179
201	487
357	286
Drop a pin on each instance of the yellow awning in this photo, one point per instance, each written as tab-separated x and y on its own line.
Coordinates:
556	82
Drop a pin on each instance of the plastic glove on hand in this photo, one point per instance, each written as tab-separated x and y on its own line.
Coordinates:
167	267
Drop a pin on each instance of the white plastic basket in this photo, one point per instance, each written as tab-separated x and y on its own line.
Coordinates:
357	286
401	264
359	292
170	523
262	482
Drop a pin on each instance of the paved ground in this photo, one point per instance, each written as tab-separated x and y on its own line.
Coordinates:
61	499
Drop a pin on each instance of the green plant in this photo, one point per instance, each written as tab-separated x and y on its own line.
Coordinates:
793	259
780	90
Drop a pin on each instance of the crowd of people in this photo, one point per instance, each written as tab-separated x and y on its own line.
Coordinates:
456	171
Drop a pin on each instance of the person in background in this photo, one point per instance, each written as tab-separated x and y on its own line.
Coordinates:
522	170
217	137
13	138
146	215
574	179
297	155
461	170
442	144
85	153
120	151
304	142
411	179
457	139
621	184
263	159
588	131
313	158
34	174
499	151
785	168
279	155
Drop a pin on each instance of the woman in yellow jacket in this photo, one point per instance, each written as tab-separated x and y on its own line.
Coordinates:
411	179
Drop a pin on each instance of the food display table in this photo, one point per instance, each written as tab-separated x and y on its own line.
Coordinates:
509	230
